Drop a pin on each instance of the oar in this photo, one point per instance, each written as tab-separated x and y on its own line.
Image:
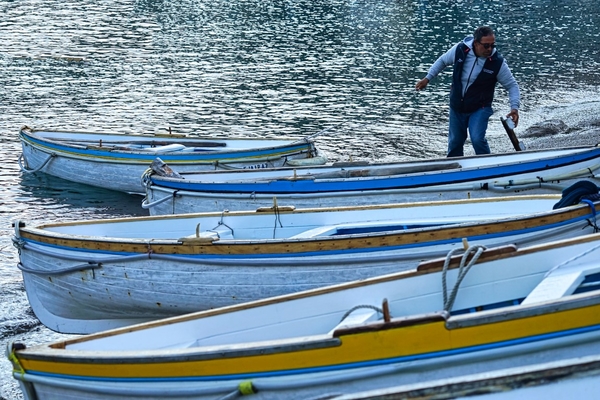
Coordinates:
509	127
150	142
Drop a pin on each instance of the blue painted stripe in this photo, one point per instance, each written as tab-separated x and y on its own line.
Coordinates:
212	156
446	177
341	367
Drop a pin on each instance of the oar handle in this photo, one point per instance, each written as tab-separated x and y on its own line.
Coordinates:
510	130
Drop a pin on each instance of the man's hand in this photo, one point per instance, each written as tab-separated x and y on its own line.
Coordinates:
422	84
514	115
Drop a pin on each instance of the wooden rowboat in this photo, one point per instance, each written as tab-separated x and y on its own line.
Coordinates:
116	161
543	171
444	319
87	276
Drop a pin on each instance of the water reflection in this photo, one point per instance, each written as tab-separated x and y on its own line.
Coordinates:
60	199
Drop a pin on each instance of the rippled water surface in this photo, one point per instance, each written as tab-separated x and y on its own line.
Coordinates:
260	69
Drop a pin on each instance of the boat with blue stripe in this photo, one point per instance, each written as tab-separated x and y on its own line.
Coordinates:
116	160
534	172
475	311
89	276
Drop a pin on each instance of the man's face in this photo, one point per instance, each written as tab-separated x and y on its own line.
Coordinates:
485	46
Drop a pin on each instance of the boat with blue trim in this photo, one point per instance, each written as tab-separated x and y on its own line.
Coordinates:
88	276
483	310
116	161
534	172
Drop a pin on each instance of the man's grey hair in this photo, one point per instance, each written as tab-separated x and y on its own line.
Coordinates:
481	32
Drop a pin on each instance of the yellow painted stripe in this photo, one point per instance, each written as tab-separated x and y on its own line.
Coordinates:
398	342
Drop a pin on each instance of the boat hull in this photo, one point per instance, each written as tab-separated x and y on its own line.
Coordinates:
509	311
94	162
534	172
309	386
78	283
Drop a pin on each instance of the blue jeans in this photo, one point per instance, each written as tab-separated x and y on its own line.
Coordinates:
476	122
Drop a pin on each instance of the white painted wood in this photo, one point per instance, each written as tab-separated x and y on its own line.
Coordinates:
307	318
561	282
155	284
357	317
165	149
118	161
220	190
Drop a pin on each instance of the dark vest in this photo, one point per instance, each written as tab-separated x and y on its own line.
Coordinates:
481	92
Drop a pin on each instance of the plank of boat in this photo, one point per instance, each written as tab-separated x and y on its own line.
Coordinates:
487	255
358	173
560	282
130	143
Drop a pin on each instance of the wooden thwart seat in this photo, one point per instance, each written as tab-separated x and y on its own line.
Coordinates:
165	149
560	282
326	230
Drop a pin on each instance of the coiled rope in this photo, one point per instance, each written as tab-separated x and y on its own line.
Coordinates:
476	250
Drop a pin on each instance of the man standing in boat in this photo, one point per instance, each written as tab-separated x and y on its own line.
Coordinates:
477	69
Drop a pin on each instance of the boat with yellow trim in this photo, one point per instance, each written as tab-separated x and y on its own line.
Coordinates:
116	161
89	276
479	311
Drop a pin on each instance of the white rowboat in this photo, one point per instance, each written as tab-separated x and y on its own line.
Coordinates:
116	161
87	276
444	319
537	172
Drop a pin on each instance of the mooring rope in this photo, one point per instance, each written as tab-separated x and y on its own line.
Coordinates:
462	271
379	310
31	171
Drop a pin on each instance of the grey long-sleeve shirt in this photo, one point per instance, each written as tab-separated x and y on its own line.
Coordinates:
472	67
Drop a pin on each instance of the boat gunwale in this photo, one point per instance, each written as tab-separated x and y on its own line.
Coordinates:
285	209
37	133
175	183
358	241
122	156
59	352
